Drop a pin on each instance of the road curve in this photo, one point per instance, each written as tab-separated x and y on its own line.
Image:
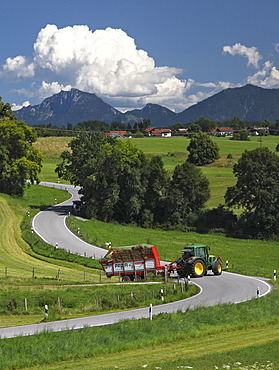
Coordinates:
213	290
50	225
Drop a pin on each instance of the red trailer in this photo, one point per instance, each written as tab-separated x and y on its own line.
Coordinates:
131	263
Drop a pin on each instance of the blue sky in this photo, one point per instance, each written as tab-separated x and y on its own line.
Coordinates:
133	52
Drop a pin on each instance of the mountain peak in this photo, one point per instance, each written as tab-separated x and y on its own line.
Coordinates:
248	103
71	106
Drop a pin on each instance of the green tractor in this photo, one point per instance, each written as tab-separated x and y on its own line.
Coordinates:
196	261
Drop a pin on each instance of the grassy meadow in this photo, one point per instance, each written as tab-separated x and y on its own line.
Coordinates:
226	336
244	255
242	336
173	151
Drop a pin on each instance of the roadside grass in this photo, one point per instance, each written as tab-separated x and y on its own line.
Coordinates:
76	301
210	329
17	260
251	257
242	349
202	338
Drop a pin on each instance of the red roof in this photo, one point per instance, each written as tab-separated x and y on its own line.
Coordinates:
119	132
222	129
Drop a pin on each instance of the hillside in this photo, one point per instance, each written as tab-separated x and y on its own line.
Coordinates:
248	103
69	107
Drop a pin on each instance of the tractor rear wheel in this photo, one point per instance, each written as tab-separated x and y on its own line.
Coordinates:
216	268
198	268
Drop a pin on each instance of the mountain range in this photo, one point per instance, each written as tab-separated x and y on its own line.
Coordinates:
248	103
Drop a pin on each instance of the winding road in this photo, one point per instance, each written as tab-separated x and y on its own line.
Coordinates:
50	225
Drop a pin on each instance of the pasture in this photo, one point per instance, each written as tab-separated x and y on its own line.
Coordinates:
173	152
226	336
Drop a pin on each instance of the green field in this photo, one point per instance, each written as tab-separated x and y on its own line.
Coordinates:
173	151
242	336
206	338
244	255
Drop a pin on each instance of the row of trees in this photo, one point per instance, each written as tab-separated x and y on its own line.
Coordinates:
206	125
120	183
44	130
200	125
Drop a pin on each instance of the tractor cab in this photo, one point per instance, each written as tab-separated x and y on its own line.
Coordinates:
194	251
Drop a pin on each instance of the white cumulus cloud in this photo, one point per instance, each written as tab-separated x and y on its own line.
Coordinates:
252	53
17	107
18	67
267	77
49	89
106	62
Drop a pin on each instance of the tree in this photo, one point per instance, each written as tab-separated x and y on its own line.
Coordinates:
157	183
120	183
236	123
202	150
110	173
6	111
94	125
241	136
19	160
206	125
193	127
188	192
118	126
257	193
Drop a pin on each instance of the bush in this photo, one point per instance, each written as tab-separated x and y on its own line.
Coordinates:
202	150
241	135
217	220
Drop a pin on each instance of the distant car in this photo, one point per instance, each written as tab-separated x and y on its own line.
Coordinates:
76	206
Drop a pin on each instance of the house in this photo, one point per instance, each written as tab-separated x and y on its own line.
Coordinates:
182	132
256	131
222	131
149	130
118	134
156	132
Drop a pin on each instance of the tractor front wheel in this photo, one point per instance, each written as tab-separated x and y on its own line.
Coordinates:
198	268
216	268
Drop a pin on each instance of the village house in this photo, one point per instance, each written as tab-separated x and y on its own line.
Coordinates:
256	131
156	132
222	131
118	134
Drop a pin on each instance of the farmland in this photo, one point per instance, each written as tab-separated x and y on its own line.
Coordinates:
173	151
207	338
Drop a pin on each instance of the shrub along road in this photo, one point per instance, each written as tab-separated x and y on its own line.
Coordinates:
50	225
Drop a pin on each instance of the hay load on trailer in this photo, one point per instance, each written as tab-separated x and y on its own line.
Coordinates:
131	263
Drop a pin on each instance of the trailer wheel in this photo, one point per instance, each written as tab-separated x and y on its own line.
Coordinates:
198	268
137	278
217	268
126	278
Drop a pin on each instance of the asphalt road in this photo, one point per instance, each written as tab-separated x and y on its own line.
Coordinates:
50	225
